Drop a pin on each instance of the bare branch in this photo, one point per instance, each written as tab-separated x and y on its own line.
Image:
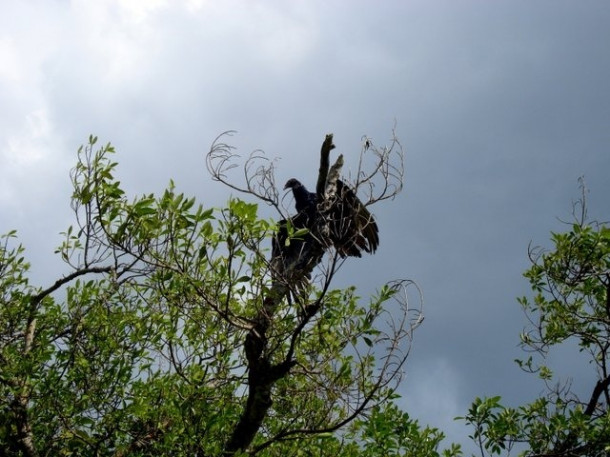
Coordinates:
380	170
258	170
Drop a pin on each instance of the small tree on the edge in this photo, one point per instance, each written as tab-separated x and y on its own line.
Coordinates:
168	335
571	303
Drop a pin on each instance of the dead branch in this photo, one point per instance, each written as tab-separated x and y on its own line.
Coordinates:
258	170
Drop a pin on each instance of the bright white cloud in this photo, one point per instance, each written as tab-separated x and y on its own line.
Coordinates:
32	160
30	146
10	70
137	11
23	149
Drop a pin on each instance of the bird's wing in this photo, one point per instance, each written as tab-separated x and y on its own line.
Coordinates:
358	229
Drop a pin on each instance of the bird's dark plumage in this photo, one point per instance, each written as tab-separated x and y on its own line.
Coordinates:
303	199
352	227
297	251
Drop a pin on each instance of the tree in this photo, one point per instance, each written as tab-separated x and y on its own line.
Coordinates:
169	334
571	303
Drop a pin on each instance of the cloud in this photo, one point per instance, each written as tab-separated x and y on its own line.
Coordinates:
500	108
432	395
30	161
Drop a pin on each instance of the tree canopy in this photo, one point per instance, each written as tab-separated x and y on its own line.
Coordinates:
175	330
169	335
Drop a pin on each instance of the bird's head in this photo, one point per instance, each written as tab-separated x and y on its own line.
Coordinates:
292	183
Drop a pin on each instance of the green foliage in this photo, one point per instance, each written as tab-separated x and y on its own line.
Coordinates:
138	348
571	302
391	432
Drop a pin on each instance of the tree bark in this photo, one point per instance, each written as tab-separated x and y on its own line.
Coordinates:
327	146
262	375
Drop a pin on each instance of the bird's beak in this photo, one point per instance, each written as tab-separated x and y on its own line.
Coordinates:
286	187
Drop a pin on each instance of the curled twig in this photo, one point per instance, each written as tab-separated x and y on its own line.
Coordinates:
258	170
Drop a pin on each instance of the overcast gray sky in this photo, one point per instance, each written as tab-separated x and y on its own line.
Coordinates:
500	105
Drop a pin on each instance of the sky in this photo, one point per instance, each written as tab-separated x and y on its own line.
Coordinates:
500	107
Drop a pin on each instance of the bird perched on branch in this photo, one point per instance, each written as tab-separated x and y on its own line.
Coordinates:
303	199
352	228
299	251
333	216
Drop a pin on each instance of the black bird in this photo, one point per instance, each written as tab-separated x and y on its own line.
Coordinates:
303	199
293	255
352	227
